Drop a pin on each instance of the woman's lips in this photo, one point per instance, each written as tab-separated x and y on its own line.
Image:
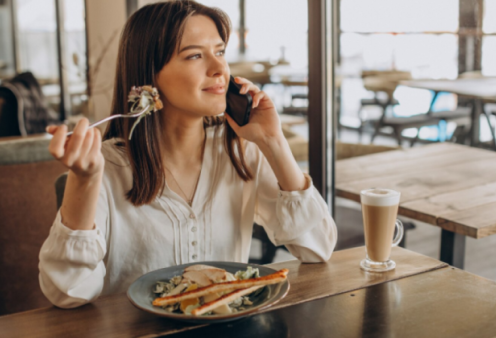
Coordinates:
216	89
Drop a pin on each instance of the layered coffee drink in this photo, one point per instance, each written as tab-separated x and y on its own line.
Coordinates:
379	210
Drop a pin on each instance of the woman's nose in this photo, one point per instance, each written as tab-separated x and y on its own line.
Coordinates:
217	67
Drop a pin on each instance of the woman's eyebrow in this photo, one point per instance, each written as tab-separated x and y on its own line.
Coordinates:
199	47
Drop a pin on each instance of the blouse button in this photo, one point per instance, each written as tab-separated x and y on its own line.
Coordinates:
193	243
192	216
193	229
194	257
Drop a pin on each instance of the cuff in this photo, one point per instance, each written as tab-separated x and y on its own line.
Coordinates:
62	229
298	194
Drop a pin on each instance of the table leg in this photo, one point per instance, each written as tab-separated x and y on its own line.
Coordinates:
491	128
452	248
475	126
406	226
403	241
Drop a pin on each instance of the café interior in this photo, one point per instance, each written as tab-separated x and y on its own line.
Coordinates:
396	94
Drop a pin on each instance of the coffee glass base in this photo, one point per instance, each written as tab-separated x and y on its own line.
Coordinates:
372	266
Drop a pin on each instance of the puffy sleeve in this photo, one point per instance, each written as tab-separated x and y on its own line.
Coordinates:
71	263
300	220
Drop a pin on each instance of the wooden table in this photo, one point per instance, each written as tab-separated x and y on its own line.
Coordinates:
478	90
114	316
443	303
444	184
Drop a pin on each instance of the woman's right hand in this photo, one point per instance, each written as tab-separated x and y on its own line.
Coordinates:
80	152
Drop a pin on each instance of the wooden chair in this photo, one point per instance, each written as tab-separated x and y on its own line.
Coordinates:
378	81
386	82
27	210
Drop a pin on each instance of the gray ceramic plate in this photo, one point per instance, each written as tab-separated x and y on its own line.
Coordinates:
141	295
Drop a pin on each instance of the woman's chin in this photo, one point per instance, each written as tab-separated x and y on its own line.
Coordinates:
213	113
215	109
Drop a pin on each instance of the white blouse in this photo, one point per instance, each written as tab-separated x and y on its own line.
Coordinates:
128	241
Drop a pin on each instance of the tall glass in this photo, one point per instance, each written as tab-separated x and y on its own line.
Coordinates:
379	210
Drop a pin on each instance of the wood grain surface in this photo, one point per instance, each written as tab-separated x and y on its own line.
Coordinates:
115	316
444	303
445	184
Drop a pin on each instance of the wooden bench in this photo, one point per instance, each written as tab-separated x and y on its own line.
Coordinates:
398	124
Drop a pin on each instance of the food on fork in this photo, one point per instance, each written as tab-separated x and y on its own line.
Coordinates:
142	97
203	289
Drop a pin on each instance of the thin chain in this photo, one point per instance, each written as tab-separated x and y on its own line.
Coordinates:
190	200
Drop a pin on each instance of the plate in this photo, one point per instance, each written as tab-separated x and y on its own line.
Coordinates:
141	295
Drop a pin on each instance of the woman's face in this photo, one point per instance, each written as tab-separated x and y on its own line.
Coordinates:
195	80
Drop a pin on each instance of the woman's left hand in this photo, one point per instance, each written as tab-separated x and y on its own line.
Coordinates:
264	124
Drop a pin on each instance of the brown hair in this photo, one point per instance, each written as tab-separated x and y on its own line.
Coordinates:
147	43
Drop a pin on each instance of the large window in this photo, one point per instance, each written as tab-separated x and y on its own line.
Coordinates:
37	39
34	32
278	31
416	36
489	38
423	37
7	63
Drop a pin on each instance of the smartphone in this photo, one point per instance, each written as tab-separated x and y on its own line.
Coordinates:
238	105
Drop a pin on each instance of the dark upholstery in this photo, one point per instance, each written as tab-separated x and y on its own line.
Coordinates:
9	121
27	210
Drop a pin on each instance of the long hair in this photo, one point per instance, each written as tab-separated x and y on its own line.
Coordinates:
148	41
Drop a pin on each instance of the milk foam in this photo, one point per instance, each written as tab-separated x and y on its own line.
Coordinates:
380	197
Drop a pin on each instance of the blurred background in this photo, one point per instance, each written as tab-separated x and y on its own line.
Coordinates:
70	48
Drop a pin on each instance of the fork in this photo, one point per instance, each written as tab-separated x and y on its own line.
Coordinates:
112	117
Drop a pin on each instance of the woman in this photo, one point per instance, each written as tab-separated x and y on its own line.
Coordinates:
188	185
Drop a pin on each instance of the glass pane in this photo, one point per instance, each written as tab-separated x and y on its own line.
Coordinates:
6	41
489	22
489	55
75	54
37	39
37	45
399	15
427	56
288	30
367	43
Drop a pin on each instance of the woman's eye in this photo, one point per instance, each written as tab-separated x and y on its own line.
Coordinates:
194	57
221	52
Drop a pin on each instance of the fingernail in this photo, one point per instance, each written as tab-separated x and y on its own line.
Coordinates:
46	129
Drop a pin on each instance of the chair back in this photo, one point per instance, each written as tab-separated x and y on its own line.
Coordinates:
384	81
24	110
9	114
27	210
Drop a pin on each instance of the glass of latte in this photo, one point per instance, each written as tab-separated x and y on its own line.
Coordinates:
379	210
